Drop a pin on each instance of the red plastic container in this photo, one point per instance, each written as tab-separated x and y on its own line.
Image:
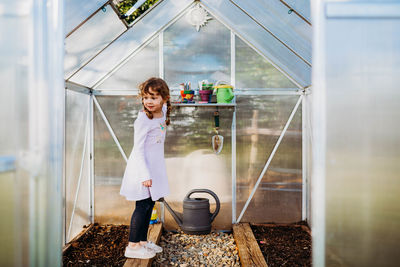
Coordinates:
205	95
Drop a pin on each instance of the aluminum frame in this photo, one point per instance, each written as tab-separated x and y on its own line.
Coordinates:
91	158
297	9
304	152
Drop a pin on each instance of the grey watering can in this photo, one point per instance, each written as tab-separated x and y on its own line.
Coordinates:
196	218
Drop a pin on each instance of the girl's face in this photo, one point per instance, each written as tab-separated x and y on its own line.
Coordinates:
153	101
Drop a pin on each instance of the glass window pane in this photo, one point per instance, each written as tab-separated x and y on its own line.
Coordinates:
135	71
289	28
125	45
90	38
253	71
76	11
268	45
260	121
75	126
191	55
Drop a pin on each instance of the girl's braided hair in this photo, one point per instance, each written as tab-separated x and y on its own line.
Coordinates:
160	86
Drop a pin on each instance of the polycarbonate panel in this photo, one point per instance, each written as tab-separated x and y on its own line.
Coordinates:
13	133
262	40
309	144
254	71
361	141
192	56
302	7
187	150
191	162
76	134
125	45
76	11
90	38
7	210
260	121
288	28
31	68
110	206
136	70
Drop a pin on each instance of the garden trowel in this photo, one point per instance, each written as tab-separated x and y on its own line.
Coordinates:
217	140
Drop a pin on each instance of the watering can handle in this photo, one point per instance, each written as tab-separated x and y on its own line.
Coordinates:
211	193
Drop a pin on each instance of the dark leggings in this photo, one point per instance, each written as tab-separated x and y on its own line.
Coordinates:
140	220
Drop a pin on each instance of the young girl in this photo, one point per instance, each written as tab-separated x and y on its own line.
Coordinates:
145	178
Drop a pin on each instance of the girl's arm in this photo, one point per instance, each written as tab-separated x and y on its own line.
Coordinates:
141	130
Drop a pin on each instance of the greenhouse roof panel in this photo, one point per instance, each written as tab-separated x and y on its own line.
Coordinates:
77	11
300	6
267	44
287	27
90	38
142	31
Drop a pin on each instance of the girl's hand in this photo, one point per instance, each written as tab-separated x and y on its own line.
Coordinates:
147	183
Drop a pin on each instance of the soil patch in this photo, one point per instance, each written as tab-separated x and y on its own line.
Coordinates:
100	246
284	245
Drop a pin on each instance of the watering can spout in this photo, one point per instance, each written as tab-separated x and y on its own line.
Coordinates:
176	215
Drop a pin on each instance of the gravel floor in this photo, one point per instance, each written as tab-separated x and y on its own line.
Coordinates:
214	249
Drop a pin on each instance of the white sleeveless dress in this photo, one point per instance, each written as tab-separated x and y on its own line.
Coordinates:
146	160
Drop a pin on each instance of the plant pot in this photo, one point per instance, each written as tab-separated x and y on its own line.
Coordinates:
187	96
205	95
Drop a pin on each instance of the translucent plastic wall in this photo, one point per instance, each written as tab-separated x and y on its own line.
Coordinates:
109	164
187	152
31	146
261	120
9	70
77	176
190	55
357	146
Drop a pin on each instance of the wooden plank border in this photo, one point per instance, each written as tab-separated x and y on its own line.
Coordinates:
249	252
154	235
76	238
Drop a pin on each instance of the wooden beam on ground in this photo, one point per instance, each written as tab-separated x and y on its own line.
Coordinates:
249	252
154	235
76	238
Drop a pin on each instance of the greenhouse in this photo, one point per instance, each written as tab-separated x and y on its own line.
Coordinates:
295	144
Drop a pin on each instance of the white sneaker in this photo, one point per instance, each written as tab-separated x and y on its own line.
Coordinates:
139	253
153	247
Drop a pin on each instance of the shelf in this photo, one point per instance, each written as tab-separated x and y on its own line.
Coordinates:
204	105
